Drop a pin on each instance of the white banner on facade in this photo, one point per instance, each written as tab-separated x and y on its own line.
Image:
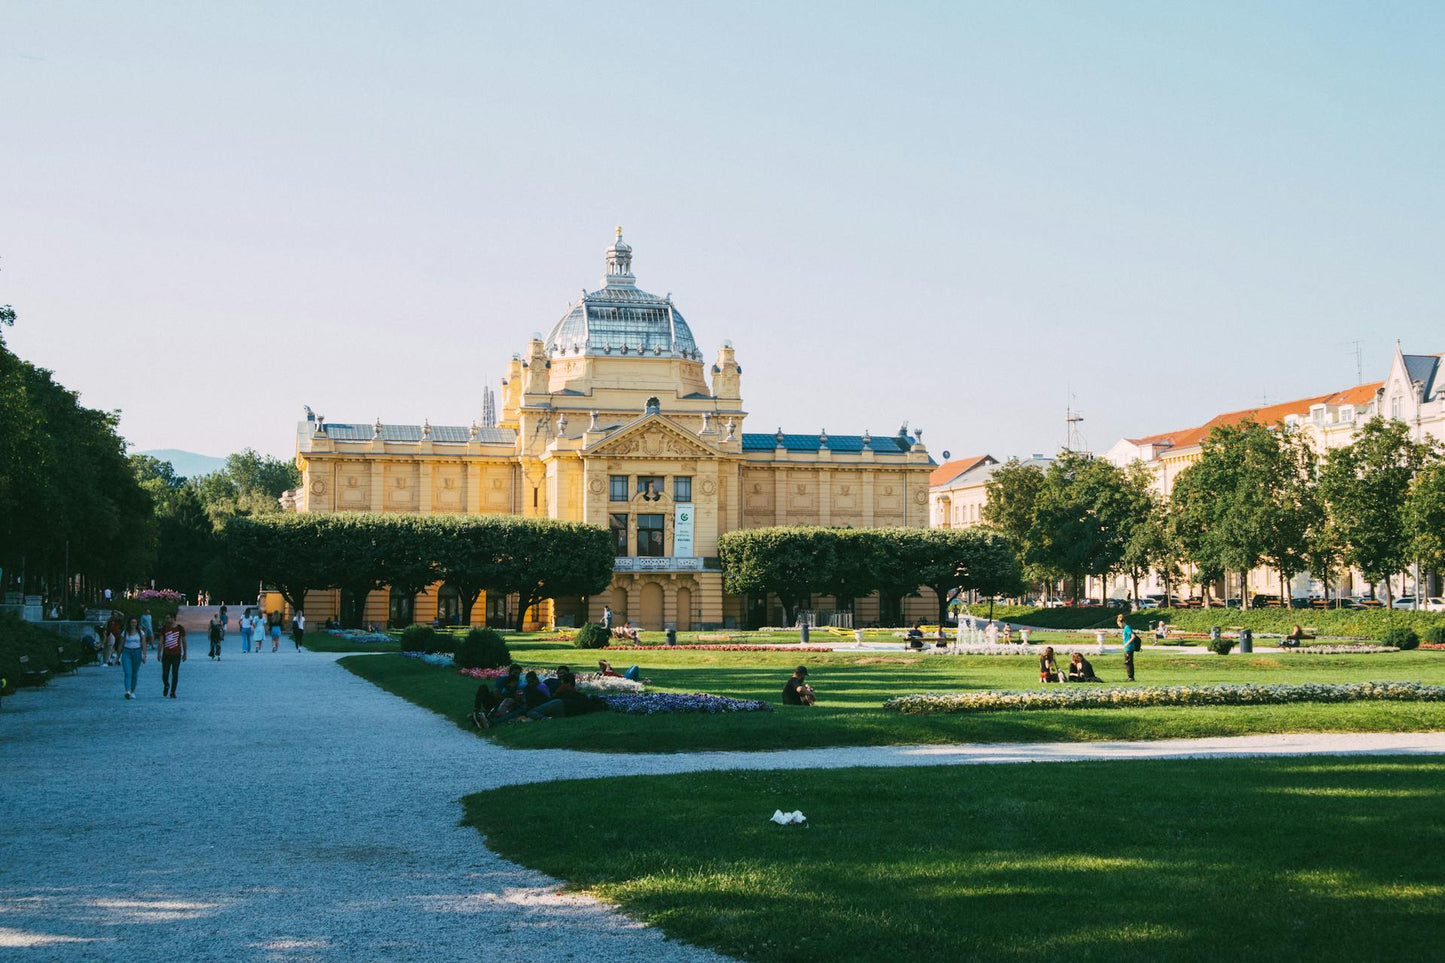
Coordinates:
682	530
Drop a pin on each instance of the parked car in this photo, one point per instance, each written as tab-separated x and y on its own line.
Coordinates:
1404	602
1368	603
1263	601
1300	602
1147	603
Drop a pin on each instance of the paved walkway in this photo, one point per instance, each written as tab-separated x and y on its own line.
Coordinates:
283	809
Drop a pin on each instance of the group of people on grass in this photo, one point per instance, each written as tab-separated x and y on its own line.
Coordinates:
515	697
1080	669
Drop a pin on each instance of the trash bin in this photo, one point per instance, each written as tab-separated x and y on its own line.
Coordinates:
672	636
1246	640
803	633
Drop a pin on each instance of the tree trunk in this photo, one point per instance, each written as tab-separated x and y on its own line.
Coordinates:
468	601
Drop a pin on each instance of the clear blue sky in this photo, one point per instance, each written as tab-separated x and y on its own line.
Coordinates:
951	213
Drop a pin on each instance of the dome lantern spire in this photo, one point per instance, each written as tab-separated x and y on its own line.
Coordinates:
619	264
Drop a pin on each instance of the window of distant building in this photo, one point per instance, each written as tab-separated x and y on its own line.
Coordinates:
618	524
682	489
1395	407
649	487
650	536
618	488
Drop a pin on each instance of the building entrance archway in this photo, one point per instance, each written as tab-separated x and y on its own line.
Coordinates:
649	614
684	609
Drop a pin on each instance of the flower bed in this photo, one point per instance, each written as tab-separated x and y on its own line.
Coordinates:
1432	645
432	658
1091	648
591	683
358	635
1093	697
1343	649
716	648
659	703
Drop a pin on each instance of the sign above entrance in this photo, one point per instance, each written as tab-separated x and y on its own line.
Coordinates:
682	530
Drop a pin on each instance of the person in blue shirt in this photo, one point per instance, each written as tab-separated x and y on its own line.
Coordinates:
1131	645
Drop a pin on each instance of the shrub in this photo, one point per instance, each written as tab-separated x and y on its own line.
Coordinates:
482	649
591	636
1221	645
420	638
1435	635
1401	637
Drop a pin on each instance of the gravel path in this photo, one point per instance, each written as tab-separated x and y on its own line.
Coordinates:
284	809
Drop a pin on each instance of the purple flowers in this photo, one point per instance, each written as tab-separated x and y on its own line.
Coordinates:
657	703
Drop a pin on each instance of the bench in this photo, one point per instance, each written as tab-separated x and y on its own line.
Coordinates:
32	676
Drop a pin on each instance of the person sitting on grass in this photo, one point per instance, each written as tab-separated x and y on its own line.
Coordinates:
796	691
532	695
1080	670
491	700
1292	641
627	631
566	701
605	668
1048	668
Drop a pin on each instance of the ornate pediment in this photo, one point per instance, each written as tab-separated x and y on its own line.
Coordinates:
652	436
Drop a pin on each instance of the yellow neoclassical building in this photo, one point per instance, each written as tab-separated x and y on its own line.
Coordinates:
616	419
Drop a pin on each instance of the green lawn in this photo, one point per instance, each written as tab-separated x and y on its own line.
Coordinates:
1316	858
853	686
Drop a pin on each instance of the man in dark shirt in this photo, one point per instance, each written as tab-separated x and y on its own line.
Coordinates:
796	691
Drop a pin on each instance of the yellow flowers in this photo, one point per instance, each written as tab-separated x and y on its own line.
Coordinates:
1094	697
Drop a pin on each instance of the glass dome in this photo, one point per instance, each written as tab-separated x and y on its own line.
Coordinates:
622	319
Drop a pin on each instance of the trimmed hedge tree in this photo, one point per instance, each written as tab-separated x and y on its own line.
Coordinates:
361	552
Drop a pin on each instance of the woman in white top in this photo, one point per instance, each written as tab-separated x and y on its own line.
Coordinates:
132	654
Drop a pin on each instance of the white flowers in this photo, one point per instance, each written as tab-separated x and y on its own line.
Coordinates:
1344	649
594	684
794	818
1094	697
1010	649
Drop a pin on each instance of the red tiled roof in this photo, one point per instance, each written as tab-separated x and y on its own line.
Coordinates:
952	468
1264	415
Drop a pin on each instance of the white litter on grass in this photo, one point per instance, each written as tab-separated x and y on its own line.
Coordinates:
794	818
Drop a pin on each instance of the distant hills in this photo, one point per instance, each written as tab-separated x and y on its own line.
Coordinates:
187	463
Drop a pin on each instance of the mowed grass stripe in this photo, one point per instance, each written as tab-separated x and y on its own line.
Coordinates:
1326	859
853	687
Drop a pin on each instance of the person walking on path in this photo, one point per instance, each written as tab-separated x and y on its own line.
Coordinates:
173	653
1131	645
147	627
245	623
225	623
132	654
112	638
607	618
275	631
298	628
216	634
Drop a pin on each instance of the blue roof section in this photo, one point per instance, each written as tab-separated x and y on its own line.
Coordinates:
1421	368
882	444
446	434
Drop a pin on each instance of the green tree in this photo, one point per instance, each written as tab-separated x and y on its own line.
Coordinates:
958	560
542	558
469	557
789	562
1425	518
1365	486
1012	499
1082	518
